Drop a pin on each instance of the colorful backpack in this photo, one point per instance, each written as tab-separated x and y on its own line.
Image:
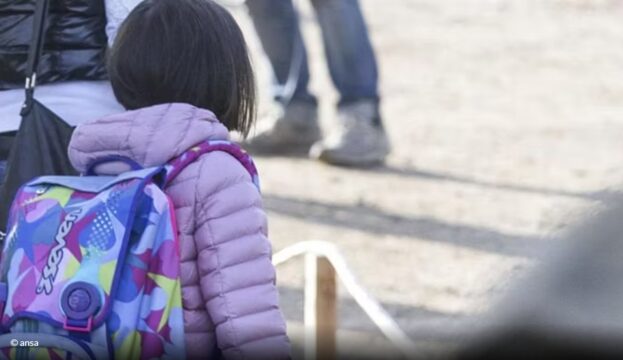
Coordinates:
90	267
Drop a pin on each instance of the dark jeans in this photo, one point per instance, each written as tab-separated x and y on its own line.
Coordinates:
350	57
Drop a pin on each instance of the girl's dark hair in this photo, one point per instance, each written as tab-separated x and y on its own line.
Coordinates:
189	51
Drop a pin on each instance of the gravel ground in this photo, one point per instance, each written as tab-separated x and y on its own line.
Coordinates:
505	117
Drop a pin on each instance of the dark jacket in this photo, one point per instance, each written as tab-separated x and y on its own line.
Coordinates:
75	41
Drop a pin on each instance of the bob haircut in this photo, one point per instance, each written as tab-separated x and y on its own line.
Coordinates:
188	51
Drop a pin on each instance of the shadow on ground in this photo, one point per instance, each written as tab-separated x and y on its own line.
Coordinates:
604	195
367	218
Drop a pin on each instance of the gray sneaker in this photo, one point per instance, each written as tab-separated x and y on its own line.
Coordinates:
293	128
357	140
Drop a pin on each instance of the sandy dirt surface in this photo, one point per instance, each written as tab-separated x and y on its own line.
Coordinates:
506	122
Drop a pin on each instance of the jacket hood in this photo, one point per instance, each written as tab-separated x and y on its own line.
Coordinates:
150	136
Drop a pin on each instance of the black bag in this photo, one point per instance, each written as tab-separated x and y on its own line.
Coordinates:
6	141
40	145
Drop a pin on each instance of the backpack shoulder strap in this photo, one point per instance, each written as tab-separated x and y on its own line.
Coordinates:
175	166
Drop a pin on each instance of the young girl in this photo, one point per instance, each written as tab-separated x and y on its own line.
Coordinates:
181	69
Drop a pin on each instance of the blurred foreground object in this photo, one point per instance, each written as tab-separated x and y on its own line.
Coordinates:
569	307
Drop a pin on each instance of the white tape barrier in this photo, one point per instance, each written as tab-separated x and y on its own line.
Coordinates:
370	306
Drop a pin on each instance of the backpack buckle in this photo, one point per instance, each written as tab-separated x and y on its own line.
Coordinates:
75	325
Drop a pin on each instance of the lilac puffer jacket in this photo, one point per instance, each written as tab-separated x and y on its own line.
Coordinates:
231	305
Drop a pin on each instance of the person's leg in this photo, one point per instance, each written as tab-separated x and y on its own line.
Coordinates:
277	26
294	126
357	137
351	59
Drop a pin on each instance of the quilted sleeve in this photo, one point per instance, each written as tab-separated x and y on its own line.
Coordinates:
234	262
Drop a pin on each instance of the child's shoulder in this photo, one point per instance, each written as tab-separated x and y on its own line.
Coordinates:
217	170
224	186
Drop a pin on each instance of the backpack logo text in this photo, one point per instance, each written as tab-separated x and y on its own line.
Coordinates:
56	254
